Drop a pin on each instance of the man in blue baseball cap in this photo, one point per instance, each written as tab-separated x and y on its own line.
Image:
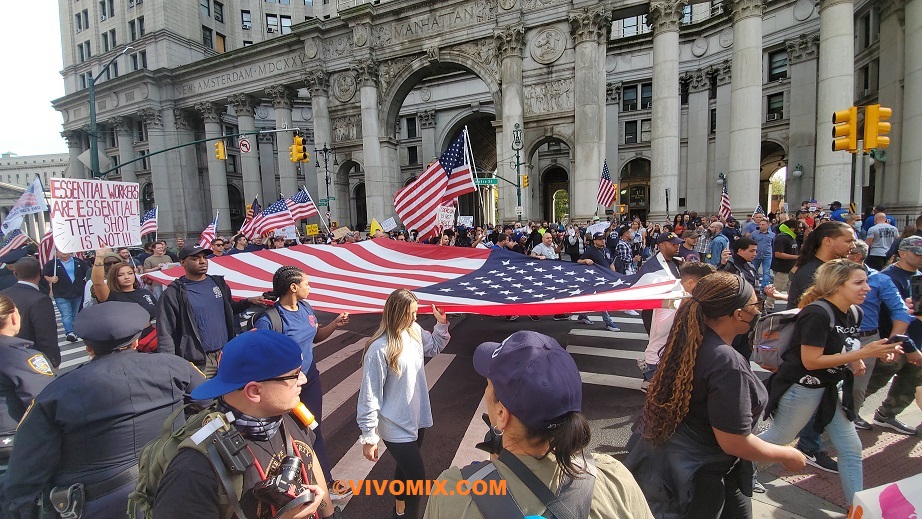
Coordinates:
258	381
533	398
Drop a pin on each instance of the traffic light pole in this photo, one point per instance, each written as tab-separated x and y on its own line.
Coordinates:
325	153
517	146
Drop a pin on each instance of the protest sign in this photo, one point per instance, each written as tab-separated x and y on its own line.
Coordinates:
289	232
467	221
446	216
312	229
341	233
389	225
91	214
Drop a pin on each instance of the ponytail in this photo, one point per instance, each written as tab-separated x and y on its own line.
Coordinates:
567	441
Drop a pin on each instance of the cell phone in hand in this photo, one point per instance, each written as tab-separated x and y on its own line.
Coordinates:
897	338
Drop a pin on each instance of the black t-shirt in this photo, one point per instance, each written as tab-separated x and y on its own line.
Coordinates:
726	394
802	280
812	328
601	257
141	296
689	254
785	244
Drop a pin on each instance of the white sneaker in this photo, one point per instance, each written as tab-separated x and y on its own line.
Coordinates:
632	312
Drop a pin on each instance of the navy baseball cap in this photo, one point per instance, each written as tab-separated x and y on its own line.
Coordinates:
251	357
192	250
671	237
533	376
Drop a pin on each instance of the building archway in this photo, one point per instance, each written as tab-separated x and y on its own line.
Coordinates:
361	209
634	188
549	158
237	206
482	137
554	181
773	158
347	176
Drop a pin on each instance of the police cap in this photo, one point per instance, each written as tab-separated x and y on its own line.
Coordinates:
111	325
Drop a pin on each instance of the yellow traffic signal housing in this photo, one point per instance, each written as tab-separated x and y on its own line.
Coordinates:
876	127
298	150
219	152
524	180
845	130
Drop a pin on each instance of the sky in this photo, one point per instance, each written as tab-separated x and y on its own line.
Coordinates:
31	41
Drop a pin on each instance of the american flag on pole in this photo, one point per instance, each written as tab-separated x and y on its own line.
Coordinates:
301	205
14	240
725	211
250	223
606	188
417	204
758	210
209	233
46	248
358	277
274	217
149	222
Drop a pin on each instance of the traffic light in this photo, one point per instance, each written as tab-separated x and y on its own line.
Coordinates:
219	152
524	180
298	150
845	130
876	127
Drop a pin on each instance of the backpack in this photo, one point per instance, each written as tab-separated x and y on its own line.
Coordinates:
774	333
274	318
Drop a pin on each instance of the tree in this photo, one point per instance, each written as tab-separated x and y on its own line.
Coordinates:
561	205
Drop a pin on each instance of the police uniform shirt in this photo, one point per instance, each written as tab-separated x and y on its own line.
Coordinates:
24	373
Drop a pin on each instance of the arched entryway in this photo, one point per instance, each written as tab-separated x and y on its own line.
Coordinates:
482	142
550	161
237	207
774	159
361	211
555	194
344	202
634	188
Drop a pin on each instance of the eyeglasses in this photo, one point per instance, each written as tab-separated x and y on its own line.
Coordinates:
759	305
296	376
110	263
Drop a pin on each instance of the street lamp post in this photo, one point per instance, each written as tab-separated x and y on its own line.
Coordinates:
325	153
517	146
94	137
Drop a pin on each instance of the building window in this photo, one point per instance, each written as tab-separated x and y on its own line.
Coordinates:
205	7
78	22
141	30
247	43
645	130
683	92
132	31
778	65
86	50
112	71
712	88
111	8
207	37
285	2
246	20
86	18
145	161
412	155
646	95
80	56
286	24
139	60
412	132
105	42
219	12
775	107
630	132
112	39
713	122
629	98
219	43
141	132
687	15
82	81
272	23
103	15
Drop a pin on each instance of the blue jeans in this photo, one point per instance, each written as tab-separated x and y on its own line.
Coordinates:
765	264
606	317
68	306
796	409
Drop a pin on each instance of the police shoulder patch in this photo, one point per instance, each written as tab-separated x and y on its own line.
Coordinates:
39	363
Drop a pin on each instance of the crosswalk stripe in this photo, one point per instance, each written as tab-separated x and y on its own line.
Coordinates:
467	453
605	352
617	319
601	379
607	334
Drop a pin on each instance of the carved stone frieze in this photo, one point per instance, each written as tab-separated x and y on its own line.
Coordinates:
697	80
120	124
547	45
507	4
366	72
389	70
426	119
360	34
281	96
550	97
665	16
381	36
311	48
747	9
317	81
510	41
243	104
337	47
182	120
528	5
803	48
482	51
73	137
590	24
152	117
613	92
343	87
432	53
348	128
721	70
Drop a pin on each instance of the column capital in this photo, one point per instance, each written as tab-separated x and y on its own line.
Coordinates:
889	8
120	123
613	92
803	48
151	117
281	95
722	70
589	24
211	112
244	104
426	118
698	80
825	4
665	16
317	81
510	41
74	138
743	9
366	72
182	119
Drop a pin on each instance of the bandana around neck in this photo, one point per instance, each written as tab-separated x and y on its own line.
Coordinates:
257	429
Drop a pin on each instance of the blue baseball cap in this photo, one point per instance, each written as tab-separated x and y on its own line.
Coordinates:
533	376
251	357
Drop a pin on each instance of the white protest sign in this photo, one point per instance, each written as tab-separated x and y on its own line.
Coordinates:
289	233
92	214
597	227
446	216
389	225
467	221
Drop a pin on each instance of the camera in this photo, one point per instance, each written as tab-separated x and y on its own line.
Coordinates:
286	485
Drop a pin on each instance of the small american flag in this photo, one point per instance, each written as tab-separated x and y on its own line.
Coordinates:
606	187
149	222
758	210
460	179
251	223
301	205
209	233
725	211
14	240
46	248
274	217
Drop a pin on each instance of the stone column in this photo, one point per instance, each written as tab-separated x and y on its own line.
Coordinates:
802	64
699	114
835	91
282	97
722	135
746	106
189	178
244	105
890	94
74	149
911	166
664	17
125	137
589	28
612	110
217	169
510	44
318	82
267	169
426	120
379	177
159	171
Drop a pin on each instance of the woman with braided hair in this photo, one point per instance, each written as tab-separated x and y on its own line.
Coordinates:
692	452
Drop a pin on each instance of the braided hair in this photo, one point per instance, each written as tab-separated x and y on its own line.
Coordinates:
814	240
282	280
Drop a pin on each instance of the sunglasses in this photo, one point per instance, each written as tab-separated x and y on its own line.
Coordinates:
296	376
110	263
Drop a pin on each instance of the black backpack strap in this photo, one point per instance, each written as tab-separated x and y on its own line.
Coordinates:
537	487
224	477
498	506
275	318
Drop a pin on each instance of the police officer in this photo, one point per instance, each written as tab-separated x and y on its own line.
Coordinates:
88	425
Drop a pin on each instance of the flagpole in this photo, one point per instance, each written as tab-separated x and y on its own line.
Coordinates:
319	213
156	219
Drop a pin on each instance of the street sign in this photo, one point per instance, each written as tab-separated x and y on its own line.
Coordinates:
332	198
323	202
486	181
244	145
518	210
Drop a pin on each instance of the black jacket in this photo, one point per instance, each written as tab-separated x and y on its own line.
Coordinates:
39	324
65	287
176	331
24	373
744	269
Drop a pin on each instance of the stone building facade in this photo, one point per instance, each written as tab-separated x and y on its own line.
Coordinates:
670	94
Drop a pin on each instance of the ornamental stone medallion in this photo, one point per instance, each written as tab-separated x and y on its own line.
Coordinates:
344	87
507	4
726	37
803	9
311	49
548	45
699	47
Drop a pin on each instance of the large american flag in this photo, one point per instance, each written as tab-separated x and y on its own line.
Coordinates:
725	211
417	204
14	240
606	188
274	217
301	205
209	233
250	224
358	277
46	248
149	222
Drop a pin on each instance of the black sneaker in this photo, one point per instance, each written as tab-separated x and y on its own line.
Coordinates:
862	424
892	423
561	317
822	461
534	317
72	337
511	317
